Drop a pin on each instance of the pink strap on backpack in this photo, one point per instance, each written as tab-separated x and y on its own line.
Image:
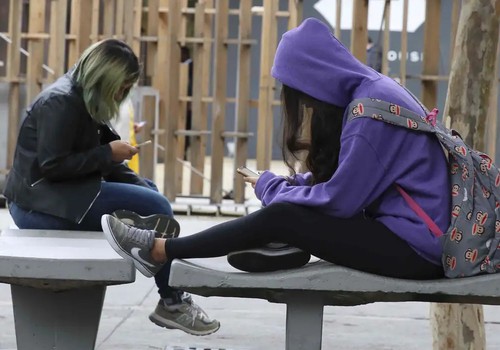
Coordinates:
420	212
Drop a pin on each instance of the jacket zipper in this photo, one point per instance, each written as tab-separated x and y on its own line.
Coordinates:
37	182
90	206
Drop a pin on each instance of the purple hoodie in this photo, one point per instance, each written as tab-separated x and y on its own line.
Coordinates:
374	155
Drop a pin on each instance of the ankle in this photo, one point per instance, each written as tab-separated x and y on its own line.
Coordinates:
158	251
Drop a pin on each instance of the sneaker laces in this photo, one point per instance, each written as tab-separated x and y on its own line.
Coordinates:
142	237
196	311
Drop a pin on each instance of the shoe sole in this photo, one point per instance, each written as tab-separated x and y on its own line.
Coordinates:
267	260
165	226
165	323
124	254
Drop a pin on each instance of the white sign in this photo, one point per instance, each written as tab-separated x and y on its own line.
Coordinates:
416	14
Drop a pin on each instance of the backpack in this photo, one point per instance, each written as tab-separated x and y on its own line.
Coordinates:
471	242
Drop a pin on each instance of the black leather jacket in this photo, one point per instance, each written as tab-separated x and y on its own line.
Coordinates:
62	155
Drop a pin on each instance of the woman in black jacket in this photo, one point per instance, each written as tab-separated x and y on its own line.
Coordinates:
69	163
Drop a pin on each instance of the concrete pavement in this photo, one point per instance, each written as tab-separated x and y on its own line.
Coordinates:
247	324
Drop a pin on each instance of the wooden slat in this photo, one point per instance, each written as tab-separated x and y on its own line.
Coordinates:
34	75
243	81
181	124
136	43
94	24
152	47
146	159
109	18
183	106
80	26
198	122
296	9
359	34
119	17
128	23
265	111
219	105
57	44
13	70
168	61
430	64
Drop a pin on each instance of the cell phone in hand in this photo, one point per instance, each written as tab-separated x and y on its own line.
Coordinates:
139	145
243	170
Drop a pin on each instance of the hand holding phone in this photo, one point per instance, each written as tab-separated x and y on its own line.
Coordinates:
139	145
243	170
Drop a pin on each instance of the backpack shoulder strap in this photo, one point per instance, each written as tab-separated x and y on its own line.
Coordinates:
392	114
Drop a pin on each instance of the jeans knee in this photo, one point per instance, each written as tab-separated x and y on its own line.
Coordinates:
162	205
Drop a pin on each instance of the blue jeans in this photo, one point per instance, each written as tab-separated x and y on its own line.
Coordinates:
113	196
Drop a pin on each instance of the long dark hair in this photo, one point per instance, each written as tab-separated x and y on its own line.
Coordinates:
325	129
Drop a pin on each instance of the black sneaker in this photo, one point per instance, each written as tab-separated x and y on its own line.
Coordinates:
164	226
271	257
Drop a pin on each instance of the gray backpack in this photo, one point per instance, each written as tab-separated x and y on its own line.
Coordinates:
471	242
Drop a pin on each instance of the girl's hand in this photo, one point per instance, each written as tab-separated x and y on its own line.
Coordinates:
252	180
121	150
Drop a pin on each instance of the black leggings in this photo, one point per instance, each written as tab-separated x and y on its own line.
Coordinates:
358	243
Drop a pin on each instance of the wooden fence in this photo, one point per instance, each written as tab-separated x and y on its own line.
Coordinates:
53	33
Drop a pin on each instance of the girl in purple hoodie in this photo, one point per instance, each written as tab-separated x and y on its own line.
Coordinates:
346	209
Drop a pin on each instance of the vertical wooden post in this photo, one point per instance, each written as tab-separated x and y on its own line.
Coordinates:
94	24
386	43
183	104
57	44
168	61
404	44
359	34
109	16
152	46
205	57
128	22
296	10
13	70
34	75
242	96
461	326
431	53
198	123
219	103
265	110
137	24
338	17
119	16
81	12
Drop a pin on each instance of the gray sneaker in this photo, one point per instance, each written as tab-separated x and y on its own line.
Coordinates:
186	316
131	243
164	226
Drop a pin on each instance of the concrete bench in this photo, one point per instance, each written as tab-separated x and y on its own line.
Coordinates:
306	290
58	282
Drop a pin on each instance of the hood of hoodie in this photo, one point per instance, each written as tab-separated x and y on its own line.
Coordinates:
310	59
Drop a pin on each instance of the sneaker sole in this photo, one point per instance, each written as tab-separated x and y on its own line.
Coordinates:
165	226
267	260
165	323
124	254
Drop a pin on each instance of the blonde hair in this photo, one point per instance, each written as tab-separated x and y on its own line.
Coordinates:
101	71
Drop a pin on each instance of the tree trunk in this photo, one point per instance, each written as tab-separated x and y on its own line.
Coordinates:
457	326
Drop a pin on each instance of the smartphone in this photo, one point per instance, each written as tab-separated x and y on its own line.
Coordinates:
139	145
243	170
